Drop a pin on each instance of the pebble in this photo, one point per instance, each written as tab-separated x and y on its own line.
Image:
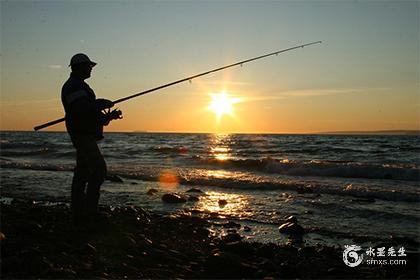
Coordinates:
291	228
232	237
290	219
173	198
222	202
175	251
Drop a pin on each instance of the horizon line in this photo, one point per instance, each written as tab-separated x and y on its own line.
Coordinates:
361	132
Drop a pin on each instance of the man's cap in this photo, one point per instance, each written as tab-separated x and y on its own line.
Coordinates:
81	58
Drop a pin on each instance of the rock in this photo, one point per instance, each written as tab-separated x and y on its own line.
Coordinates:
152	191
290	219
294	240
232	237
2	236
114	178
291	228
222	202
173	198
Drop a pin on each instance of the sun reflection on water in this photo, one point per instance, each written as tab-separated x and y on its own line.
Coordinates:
220	146
224	204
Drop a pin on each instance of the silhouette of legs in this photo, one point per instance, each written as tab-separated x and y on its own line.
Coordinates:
80	177
91	170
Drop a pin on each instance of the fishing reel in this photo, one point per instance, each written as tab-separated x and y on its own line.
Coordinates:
109	115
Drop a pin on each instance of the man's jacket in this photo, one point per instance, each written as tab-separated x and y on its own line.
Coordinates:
83	116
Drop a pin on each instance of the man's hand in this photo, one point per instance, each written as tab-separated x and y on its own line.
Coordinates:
108	115
104	104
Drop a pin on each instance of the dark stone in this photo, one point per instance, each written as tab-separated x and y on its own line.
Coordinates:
173	198
291	219
222	202
232	237
294	240
291	228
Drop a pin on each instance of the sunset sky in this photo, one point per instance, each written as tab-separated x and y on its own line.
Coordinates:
364	76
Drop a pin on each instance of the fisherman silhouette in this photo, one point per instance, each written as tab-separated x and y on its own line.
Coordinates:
85	116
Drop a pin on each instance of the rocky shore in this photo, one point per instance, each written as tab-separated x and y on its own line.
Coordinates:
39	241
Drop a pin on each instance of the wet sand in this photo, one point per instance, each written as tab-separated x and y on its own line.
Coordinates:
41	241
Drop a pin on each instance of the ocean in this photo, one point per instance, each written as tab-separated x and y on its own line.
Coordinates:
343	189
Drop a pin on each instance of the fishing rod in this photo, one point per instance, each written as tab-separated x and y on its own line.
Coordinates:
186	79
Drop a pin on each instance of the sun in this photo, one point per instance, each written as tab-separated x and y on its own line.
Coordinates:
222	104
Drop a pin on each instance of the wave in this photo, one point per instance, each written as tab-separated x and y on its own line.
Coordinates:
322	168
7	163
235	180
44	152
170	149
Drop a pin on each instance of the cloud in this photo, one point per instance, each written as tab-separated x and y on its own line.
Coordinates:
52	66
330	91
311	93
226	83
21	103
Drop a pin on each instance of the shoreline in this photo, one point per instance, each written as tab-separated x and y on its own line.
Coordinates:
129	242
